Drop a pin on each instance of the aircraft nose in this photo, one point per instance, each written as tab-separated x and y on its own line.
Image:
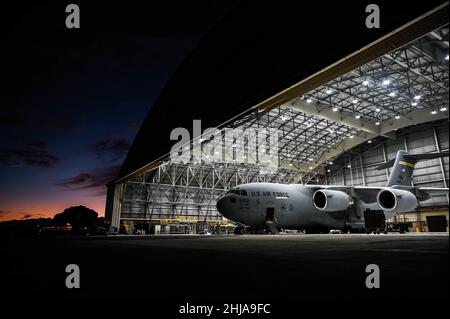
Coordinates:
224	208
221	205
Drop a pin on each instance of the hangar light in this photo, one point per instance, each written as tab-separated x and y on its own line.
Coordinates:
433	112
443	109
377	109
392	94
308	101
377	123
355	101
414	103
417	97
357	116
335	109
397	117
386	82
366	83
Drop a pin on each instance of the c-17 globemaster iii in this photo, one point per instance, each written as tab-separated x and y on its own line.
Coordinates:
319	208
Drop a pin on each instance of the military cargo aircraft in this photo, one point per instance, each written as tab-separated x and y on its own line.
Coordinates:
314	208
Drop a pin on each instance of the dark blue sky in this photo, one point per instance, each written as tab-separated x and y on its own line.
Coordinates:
74	99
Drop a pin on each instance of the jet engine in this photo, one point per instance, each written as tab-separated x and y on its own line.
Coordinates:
396	200
328	200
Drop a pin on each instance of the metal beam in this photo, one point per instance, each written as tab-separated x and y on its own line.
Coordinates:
420	26
412	118
415	117
337	117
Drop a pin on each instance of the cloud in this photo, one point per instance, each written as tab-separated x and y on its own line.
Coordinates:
36	144
3	212
29	153
110	150
26	216
94	180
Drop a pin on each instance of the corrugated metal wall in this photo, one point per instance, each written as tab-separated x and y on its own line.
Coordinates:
360	169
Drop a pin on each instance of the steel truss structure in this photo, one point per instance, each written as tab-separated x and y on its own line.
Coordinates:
411	79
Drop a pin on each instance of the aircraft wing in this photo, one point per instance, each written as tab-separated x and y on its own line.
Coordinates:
367	194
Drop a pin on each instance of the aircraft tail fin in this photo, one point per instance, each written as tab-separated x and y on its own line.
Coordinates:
403	166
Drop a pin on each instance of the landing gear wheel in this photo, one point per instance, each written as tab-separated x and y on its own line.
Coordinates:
239	230
347	229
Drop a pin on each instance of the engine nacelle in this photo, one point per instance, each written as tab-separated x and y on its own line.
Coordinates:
396	200
328	200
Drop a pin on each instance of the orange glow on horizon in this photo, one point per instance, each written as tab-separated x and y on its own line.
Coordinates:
47	209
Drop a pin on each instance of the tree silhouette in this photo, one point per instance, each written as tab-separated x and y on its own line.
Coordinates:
78	217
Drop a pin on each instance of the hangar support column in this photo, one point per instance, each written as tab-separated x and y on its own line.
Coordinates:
441	162
114	205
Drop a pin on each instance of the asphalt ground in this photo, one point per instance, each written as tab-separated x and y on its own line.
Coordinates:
260	268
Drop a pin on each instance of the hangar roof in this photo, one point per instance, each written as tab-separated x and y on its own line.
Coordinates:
274	74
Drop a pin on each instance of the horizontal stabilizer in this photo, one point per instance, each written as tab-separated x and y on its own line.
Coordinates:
386	165
419	157
433	191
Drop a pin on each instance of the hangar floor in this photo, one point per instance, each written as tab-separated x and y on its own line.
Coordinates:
260	267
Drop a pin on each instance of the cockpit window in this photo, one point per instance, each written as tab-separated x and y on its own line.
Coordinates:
237	192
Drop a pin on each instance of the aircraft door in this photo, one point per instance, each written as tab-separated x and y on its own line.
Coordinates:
270	214
271	220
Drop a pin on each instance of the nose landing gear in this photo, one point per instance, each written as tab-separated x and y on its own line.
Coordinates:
239	230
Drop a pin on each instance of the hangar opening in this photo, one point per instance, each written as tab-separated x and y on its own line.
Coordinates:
333	128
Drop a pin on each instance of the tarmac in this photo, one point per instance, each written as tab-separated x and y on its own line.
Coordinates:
246	267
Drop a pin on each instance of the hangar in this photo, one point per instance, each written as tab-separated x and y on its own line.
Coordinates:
338	120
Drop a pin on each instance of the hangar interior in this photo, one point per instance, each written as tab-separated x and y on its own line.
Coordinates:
336	133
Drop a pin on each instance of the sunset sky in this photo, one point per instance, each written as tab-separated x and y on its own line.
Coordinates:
74	99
